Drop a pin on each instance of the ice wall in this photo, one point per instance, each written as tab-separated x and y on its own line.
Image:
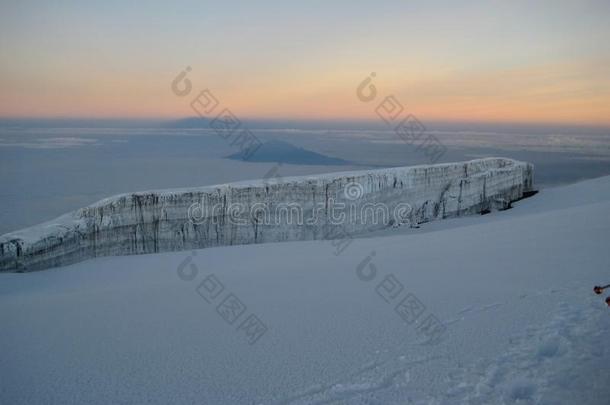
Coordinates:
294	208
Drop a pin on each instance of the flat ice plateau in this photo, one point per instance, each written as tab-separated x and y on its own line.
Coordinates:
271	210
513	289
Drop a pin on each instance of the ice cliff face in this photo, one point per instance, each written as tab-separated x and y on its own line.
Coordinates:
330	206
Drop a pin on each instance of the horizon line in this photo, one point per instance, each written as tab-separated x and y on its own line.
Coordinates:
297	120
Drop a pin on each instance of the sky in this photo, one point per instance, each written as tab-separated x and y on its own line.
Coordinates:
487	61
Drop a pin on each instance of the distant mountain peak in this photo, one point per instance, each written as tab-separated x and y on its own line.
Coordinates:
279	151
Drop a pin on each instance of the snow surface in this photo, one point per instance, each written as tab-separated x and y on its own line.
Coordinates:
513	288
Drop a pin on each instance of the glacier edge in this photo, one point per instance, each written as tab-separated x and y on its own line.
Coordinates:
158	221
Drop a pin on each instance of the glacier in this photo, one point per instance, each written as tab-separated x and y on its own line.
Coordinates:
164	220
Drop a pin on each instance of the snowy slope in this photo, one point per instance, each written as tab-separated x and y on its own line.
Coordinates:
513	289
